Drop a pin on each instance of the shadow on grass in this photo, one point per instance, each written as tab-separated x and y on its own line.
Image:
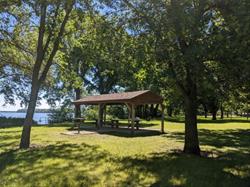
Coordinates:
182	170
128	134
85	165
229	168
65	164
208	120
16	125
92	124
120	132
238	139
8	140
38	166
223	121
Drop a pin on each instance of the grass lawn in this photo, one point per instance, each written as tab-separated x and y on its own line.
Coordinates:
115	159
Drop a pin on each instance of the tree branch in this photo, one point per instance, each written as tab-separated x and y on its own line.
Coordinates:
51	31
178	82
57	42
39	58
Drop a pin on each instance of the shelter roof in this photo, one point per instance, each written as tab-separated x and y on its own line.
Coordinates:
135	97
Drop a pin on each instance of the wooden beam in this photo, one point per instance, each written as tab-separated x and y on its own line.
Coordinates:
133	118
79	127
104	113
129	111
99	116
162	118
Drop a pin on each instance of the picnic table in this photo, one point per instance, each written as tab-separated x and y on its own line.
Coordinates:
113	123
137	123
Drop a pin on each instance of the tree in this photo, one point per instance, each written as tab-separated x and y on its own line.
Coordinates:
179	30
186	35
16	52
52	17
91	58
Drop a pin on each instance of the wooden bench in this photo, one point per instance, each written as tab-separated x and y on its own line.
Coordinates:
113	123
137	123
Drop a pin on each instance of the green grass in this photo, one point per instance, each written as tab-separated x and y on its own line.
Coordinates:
117	159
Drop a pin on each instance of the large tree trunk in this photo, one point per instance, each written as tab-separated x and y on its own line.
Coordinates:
141	111
170	111
37	76
214	115
191	132
77	107
146	113
151	110
221	112
100	115
205	110
25	138
156	110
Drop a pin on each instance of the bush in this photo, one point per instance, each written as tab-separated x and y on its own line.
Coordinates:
11	122
60	115
117	111
90	113
112	112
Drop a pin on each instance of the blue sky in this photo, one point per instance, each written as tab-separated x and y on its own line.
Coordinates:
17	105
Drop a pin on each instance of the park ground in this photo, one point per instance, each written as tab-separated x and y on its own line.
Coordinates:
117	159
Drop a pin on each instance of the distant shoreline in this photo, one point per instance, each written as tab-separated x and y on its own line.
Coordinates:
24	111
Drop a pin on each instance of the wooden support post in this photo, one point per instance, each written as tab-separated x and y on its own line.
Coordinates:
99	116
79	127
133	118
77	123
77	111
162	118
129	112
104	114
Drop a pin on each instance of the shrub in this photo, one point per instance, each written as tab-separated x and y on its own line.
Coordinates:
60	115
117	111
10	122
90	113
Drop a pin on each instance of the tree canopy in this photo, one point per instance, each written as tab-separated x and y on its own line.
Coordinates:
192	52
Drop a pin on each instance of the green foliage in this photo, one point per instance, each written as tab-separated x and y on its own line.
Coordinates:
117	111
9	122
60	115
90	113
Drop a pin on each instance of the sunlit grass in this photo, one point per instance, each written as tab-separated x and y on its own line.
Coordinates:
105	159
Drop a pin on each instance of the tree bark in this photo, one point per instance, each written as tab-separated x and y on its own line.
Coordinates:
146	113
170	111
35	84
214	115
25	138
101	113
156	110
191	132
151	110
205	110
77	107
221	112
37	76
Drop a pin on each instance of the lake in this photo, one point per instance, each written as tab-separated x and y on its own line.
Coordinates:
40	118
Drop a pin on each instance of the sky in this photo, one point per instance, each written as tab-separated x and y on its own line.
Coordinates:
17	106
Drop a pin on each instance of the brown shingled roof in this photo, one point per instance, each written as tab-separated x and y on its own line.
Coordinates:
136	97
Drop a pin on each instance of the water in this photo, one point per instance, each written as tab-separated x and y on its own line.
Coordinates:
40	118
